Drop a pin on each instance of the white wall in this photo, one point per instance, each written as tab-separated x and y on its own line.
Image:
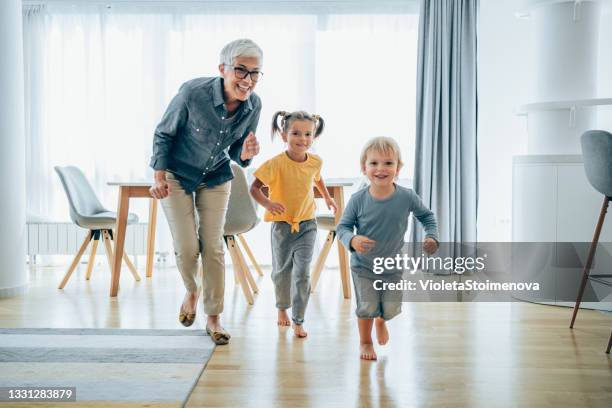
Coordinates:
503	84
505	73
604	74
13	277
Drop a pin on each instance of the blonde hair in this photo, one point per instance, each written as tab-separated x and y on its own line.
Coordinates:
384	145
287	118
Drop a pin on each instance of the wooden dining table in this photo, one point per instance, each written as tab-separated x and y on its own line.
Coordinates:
140	189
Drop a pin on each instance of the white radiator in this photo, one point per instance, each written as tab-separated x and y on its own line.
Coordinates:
65	238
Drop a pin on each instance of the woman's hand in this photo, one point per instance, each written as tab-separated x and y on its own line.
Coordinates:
274	208
430	245
250	147
362	244
331	204
161	188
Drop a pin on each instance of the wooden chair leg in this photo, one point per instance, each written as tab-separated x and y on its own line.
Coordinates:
245	269
92	254
320	263
76	260
131	267
589	262
127	261
109	248
609	344
250	254
231	246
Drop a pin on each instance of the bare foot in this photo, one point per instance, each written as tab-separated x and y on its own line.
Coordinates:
298	330
367	351
382	334
283	318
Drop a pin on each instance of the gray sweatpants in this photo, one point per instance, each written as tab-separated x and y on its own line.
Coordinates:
291	256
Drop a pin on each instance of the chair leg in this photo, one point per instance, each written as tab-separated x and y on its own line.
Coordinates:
318	268
131	267
245	269
76	260
589	262
231	246
126	259
250	254
92	253
109	248
609	344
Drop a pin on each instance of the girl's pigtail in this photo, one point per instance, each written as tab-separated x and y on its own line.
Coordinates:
276	129
319	125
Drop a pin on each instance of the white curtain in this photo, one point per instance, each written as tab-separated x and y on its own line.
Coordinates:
98	81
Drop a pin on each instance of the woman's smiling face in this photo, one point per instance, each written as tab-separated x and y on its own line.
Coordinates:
235	88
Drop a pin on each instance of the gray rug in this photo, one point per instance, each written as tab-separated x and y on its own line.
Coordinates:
121	365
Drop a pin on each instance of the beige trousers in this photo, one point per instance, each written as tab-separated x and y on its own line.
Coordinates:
196	223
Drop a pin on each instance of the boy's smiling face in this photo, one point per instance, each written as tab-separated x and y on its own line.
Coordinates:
381	168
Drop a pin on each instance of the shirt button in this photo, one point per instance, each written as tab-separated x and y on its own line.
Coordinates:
222	117
218	143
197	130
207	168
211	157
220	131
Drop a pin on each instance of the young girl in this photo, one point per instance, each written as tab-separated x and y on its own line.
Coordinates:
290	206
380	214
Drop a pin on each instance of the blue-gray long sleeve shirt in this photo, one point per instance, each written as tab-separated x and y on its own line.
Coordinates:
196	137
385	222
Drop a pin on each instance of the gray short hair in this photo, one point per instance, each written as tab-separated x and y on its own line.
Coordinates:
242	47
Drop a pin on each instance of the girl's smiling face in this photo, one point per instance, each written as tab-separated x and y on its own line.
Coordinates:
299	137
381	168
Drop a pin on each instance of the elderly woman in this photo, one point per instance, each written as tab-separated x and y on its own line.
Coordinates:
209	122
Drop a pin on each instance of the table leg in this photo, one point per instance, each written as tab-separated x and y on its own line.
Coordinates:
151	236
122	215
338	195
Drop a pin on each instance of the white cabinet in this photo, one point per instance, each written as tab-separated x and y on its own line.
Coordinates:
552	201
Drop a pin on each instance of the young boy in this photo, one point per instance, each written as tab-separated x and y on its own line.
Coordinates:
380	213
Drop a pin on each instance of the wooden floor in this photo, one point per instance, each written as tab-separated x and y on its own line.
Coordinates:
440	354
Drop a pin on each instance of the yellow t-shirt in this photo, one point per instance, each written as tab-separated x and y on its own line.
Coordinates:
291	184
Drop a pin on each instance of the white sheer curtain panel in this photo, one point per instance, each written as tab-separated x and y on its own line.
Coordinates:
99	79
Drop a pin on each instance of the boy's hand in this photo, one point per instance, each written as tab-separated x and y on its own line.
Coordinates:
362	244
275	208
331	204
430	245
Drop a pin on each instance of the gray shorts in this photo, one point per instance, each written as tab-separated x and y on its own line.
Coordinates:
372	303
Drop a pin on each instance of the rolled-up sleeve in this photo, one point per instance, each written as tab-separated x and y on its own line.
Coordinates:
235	149
174	118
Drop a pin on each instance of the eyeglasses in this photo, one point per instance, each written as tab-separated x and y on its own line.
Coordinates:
242	73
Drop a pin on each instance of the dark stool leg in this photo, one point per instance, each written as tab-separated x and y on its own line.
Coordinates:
587	266
609	343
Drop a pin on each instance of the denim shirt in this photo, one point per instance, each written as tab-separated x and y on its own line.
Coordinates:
195	138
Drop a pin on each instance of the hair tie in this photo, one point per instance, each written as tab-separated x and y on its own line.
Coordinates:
316	117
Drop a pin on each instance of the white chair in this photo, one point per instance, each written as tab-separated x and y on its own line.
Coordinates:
87	212
241	217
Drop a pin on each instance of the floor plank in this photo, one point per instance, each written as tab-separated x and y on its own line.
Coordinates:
440	354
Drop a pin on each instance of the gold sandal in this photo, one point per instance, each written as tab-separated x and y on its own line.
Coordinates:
186	319
219	337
